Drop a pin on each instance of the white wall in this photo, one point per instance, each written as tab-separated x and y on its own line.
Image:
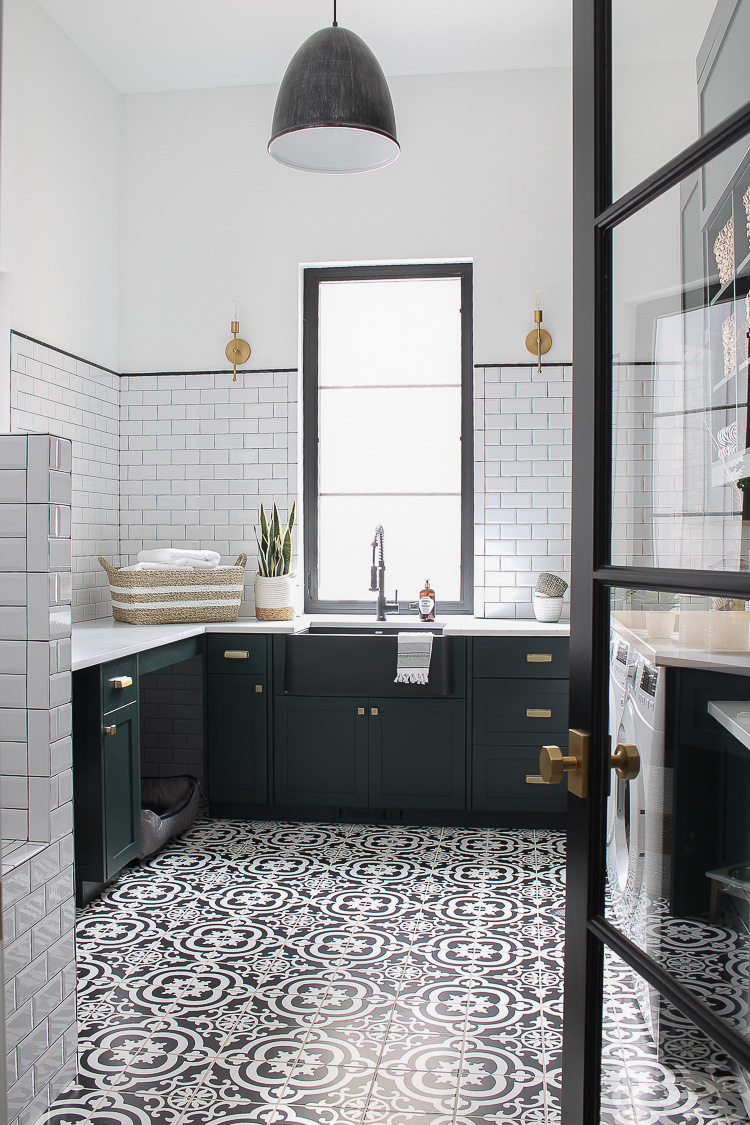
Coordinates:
59	187
207	215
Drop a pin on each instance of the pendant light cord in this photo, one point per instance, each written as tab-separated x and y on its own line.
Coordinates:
334	14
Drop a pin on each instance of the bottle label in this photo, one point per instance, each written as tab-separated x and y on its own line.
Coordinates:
426	604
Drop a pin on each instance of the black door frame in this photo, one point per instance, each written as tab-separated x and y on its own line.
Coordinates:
594	217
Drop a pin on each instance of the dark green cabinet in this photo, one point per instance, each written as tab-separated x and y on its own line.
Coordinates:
106	772
122	788
519	704
237	739
390	753
417	753
321	751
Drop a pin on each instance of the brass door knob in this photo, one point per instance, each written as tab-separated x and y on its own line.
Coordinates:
626	761
553	764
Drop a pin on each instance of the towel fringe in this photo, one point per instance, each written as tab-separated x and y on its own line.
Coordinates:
412	678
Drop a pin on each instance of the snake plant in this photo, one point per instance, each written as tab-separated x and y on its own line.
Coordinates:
274	546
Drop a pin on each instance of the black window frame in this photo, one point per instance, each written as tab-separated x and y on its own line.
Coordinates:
312	278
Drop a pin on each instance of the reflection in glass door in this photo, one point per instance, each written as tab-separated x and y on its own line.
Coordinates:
678	848
657	988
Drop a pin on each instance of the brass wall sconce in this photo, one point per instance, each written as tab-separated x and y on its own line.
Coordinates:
539	341
236	351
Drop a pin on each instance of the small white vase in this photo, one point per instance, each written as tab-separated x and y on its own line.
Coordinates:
547	609
274	598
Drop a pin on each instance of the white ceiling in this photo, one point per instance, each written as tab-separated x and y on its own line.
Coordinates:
150	45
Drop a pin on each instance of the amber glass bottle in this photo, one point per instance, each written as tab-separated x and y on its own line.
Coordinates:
427	603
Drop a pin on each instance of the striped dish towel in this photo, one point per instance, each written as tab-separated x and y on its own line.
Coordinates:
414	655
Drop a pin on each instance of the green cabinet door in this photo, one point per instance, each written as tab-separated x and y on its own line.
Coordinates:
237	726
320	751
122	788
417	753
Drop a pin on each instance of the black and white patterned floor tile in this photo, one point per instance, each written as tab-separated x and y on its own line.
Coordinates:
343	974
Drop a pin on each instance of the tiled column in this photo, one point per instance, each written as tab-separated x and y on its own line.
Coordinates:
36	818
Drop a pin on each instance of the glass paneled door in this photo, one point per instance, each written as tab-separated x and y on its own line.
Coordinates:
657	987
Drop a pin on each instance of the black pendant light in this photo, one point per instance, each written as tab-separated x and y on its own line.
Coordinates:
334	111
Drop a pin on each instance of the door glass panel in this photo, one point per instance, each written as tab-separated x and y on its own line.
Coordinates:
678	833
681	318
679	67
657	1067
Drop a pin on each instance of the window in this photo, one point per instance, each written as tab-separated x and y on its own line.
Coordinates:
387	406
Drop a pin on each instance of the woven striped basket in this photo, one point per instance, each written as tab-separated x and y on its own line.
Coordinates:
166	597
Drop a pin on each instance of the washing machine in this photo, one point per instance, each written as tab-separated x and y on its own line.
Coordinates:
637	859
619	659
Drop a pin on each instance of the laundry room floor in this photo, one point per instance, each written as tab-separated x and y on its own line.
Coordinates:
338	974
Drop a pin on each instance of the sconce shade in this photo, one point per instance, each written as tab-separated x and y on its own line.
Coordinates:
334	111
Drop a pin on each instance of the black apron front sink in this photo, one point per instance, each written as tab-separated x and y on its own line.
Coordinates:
360	664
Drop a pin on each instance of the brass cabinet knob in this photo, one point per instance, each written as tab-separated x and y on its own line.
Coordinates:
373	711
360	710
123	682
626	761
111	730
259	688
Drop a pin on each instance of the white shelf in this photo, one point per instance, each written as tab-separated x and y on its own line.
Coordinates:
734	716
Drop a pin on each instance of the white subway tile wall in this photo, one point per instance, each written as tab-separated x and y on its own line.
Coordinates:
198	453
53	392
171	714
36	781
522	485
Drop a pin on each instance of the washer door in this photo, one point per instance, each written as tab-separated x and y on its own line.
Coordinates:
626	840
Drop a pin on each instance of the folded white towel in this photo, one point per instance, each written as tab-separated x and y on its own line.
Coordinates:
414	655
171	557
183	564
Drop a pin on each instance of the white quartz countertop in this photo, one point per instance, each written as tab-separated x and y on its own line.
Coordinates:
733	715
674	653
96	642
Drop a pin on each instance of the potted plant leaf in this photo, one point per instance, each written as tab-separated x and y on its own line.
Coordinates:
274	581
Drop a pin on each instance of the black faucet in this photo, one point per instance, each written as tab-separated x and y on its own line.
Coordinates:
377	577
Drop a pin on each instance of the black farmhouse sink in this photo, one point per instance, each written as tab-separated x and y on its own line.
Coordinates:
361	663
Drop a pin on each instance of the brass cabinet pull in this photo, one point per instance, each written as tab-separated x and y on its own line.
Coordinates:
538	713
123	682
111	730
538	657
373	710
259	688
360	710
236	654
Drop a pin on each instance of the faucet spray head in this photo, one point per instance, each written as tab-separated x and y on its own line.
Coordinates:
373	579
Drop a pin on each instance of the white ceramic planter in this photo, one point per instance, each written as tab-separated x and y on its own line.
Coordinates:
547	609
274	598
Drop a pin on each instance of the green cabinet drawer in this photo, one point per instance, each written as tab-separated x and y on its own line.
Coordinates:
119	683
417	753
237	732
236	654
519	705
522	657
499	778
320	751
